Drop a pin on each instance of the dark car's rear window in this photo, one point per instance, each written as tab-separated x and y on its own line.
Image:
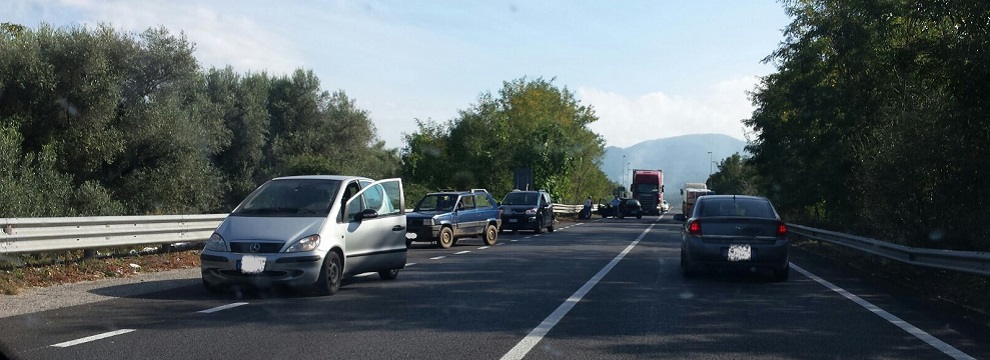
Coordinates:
709	207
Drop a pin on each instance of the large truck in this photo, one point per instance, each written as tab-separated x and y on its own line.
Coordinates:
647	187
691	192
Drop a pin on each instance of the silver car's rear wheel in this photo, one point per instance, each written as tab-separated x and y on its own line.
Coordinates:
388	274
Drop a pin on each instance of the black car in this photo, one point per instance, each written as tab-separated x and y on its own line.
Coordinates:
528	210
630	207
734	232
444	217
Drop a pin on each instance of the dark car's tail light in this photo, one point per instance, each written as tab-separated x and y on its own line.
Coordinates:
781	229
694	228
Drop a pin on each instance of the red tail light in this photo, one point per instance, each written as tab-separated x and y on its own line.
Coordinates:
781	229
694	228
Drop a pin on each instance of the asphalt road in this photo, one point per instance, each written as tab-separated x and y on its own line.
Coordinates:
606	289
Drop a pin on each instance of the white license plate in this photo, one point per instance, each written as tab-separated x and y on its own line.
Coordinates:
513	220
740	252
252	264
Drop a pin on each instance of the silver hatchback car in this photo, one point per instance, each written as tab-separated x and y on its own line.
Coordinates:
309	232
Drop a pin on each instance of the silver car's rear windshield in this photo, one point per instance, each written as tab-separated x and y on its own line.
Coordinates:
710	207
291	197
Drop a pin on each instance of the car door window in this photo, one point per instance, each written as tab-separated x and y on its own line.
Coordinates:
482	201
467	203
384	197
355	206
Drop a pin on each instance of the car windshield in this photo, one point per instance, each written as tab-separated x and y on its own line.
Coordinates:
290	197
521	198
437	202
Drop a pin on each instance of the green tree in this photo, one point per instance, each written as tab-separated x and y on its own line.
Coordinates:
530	124
875	119
735	176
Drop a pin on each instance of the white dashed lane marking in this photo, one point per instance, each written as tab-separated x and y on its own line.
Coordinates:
461	252
437	258
92	338
221	308
482	248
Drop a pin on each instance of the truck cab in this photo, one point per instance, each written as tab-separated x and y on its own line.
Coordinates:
647	187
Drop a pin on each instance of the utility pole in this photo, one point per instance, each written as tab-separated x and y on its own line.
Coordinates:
711	163
622	174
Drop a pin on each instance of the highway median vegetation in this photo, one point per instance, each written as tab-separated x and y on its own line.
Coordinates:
875	122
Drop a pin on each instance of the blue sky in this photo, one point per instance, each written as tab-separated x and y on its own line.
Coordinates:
651	69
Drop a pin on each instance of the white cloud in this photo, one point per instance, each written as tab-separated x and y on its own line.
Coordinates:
626	121
222	37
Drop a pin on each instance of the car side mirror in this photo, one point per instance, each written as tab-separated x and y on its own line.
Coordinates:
366	214
679	217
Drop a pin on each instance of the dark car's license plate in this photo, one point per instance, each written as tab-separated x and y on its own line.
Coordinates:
739	253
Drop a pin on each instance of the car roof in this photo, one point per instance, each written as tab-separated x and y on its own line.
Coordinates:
465	192
323	177
747	197
526	192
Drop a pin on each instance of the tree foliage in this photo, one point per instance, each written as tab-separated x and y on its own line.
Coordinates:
875	120
735	176
529	124
98	122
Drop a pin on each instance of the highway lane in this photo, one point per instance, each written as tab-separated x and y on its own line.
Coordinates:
481	302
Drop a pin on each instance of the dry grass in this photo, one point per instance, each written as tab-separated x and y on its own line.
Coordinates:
14	279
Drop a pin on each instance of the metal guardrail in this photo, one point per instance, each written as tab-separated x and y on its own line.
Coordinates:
972	262
567	209
24	235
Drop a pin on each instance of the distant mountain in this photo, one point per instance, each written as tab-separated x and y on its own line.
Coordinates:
682	159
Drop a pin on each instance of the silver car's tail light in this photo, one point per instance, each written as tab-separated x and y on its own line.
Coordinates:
216	243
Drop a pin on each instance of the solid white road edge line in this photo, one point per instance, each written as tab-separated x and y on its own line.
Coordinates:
220	308
891	318
92	338
527	343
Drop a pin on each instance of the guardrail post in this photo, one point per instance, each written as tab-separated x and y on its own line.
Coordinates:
165	248
89	254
